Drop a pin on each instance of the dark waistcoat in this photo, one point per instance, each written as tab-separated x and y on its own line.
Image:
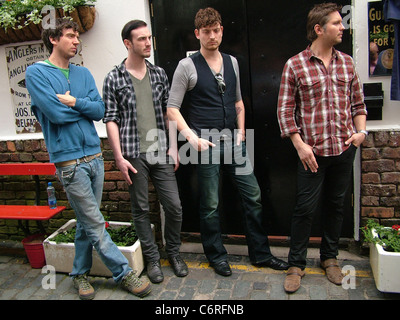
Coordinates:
208	108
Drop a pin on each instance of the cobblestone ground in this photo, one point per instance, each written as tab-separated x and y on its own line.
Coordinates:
18	281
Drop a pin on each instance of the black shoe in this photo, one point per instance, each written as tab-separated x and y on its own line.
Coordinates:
222	268
179	266
154	272
274	263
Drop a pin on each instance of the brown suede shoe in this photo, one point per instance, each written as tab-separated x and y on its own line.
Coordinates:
332	271
293	279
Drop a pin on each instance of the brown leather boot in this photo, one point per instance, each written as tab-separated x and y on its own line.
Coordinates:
332	270
134	285
85	289
293	279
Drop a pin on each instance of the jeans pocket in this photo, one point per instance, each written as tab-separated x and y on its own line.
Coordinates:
66	174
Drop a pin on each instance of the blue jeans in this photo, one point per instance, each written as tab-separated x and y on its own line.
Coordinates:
330	184
236	162
83	184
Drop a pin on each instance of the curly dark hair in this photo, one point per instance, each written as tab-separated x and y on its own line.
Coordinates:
207	17
56	33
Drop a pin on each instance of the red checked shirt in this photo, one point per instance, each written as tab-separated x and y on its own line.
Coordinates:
320	104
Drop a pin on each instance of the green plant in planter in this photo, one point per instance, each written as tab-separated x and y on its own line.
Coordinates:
123	236
388	237
13	12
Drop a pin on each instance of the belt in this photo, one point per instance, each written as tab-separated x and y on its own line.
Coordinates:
77	161
225	137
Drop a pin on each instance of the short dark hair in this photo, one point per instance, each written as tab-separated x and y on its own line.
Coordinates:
207	17
56	33
319	15
131	25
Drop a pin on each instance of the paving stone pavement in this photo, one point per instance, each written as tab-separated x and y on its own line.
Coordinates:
18	281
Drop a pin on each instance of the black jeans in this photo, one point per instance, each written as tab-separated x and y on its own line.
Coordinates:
331	182
163	178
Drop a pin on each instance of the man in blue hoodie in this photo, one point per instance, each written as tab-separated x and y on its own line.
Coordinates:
65	101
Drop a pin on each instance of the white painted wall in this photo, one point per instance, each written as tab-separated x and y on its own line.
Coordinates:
391	109
102	48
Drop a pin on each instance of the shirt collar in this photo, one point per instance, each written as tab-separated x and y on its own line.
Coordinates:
311	54
122	66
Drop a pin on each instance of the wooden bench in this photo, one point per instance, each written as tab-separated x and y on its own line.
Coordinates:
27	212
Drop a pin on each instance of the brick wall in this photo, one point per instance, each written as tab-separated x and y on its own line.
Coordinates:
380	185
380	179
21	189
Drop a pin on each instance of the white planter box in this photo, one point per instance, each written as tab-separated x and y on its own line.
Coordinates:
61	255
385	267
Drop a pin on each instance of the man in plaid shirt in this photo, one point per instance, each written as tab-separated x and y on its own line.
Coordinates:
321	109
135	95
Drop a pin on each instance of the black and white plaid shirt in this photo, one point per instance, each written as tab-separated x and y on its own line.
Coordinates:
120	102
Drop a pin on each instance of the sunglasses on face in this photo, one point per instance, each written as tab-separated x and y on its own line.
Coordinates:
220	82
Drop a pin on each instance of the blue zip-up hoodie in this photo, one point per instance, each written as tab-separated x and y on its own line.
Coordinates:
69	133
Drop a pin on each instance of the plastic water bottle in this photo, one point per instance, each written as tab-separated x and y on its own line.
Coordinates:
51	196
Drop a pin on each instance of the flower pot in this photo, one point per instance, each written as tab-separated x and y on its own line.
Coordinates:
385	268
33	246
84	16
61	255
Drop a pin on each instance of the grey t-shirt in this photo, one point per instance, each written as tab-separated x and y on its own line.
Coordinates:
146	118
185	79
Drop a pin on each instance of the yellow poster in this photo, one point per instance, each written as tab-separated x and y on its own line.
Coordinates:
381	41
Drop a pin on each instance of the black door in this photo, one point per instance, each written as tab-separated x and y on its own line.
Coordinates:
262	35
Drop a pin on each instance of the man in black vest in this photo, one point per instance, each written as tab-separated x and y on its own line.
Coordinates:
215	127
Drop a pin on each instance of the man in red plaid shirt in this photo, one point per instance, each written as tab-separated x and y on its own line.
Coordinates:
321	109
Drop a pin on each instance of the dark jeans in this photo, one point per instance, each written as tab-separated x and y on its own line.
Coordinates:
331	182
237	164
164	181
